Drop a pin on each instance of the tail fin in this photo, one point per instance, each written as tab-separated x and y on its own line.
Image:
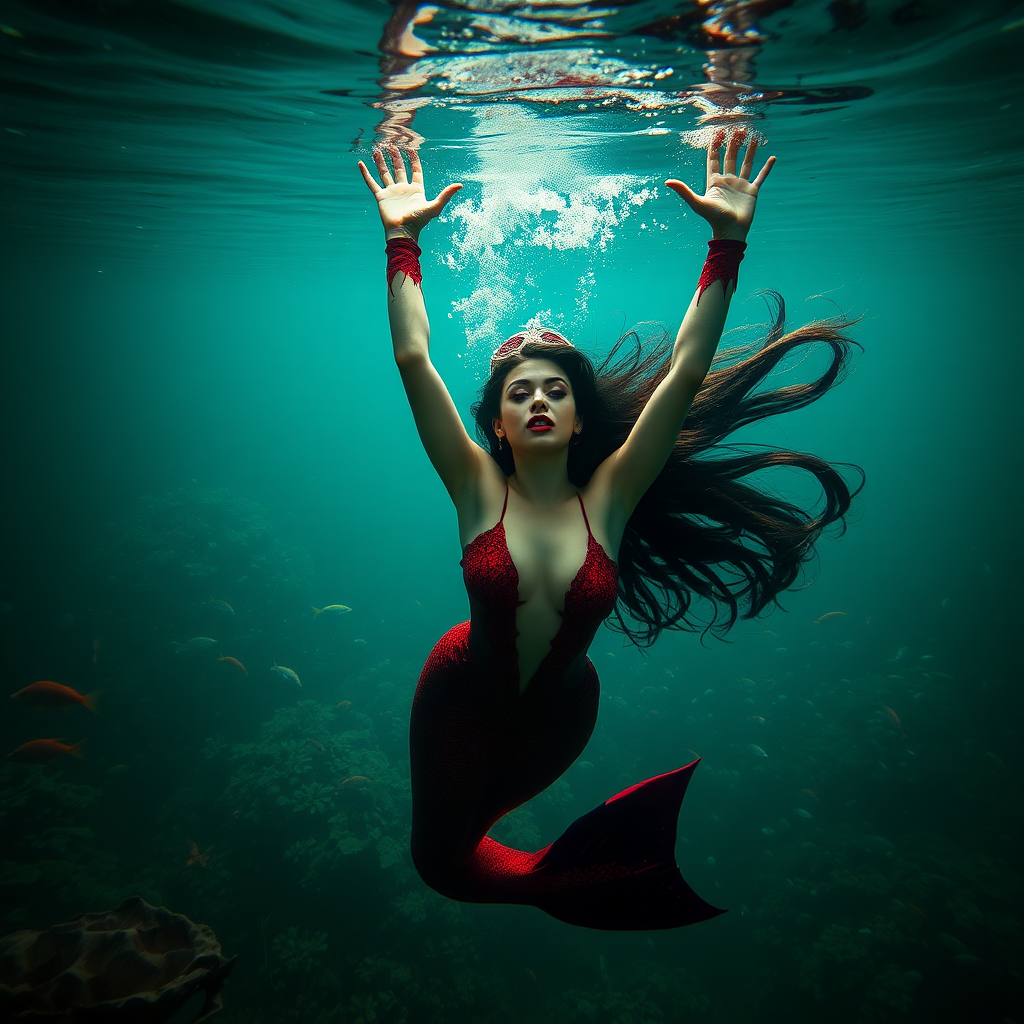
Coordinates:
615	867
316	611
89	699
77	749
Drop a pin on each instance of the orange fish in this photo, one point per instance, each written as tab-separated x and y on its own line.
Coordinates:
44	751
828	616
45	694
233	661
894	719
343	704
354	782
810	793
196	856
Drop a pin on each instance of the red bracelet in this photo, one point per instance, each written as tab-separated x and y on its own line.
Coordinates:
722	264
404	256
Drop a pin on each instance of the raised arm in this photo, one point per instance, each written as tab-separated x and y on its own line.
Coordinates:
728	207
404	212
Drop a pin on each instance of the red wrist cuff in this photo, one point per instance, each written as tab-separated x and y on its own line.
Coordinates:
722	264
403	255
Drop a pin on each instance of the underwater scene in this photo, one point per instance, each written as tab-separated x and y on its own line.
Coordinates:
244	756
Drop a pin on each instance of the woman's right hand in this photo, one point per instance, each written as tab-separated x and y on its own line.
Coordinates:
402	204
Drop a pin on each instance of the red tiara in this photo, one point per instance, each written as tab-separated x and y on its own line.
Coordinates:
530	334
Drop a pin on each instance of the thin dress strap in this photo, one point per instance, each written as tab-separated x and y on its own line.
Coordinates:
585	519
505	506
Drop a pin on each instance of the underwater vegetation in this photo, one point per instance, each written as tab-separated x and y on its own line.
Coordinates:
320	779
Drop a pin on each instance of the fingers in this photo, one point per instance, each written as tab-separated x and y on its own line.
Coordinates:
442	200
692	200
765	171
748	160
382	167
416	167
715	155
735	141
398	162
369	179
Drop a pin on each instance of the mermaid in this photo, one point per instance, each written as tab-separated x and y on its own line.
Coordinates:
587	499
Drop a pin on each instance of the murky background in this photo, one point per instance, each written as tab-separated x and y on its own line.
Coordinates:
205	435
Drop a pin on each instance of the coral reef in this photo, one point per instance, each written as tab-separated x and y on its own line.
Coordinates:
136	964
329	788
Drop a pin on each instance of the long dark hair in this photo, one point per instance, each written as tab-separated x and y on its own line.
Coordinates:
701	529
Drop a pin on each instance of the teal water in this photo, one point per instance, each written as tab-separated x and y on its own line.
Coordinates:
199	401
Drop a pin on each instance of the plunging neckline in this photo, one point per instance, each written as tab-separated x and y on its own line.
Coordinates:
591	541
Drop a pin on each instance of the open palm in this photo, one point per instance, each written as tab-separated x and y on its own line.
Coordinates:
402	201
729	198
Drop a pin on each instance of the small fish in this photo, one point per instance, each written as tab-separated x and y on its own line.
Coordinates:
354	782
315	743
746	680
286	673
343	704
648	689
800	812
810	793
361	643
756	750
710	861
221	606
46	694
901	654
768	831
197	643
44	751
331	609
584	764
894	719
197	857
690	750
117	769
829	616
709	693
770	632
756	718
530	975
234	662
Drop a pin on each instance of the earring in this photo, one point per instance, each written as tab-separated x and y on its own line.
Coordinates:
499	442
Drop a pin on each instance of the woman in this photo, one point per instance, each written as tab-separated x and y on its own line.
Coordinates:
582	469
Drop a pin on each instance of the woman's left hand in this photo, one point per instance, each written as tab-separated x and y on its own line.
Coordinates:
729	198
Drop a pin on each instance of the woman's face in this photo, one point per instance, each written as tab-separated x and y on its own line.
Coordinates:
538	410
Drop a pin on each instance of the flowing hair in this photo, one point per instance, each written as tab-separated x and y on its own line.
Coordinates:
702	529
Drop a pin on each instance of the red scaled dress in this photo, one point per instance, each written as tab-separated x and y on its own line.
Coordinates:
478	750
